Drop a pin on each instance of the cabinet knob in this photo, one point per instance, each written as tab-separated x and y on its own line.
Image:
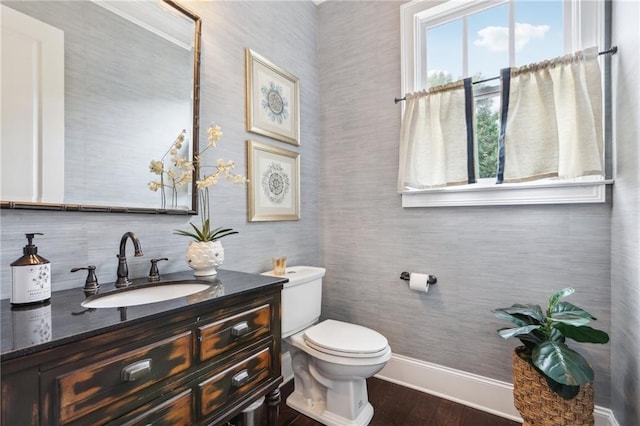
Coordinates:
135	371
240	378
240	329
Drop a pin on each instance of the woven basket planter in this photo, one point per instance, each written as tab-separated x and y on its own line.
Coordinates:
539	406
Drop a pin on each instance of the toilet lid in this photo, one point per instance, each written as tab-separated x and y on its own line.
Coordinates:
336	337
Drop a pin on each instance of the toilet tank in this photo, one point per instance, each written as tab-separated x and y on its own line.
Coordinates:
301	298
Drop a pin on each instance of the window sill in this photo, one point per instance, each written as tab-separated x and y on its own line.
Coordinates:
509	194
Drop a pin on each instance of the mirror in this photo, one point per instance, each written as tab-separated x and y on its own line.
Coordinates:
114	84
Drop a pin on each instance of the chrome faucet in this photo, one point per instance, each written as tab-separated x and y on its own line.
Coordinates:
123	269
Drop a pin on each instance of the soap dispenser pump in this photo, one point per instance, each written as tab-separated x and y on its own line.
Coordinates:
30	276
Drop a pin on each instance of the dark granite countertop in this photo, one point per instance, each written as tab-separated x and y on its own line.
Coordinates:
63	320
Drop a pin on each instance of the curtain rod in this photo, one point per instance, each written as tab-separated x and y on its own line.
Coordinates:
611	51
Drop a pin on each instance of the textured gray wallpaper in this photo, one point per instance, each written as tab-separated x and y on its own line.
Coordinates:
625	239
484	257
286	34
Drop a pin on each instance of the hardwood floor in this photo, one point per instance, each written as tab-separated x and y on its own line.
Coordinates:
396	405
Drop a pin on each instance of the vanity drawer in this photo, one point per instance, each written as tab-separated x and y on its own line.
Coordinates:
114	382
234	382
234	331
177	411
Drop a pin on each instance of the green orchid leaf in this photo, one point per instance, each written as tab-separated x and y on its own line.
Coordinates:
562	364
507	333
199	233
559	295
185	234
206	233
582	334
220	231
217	237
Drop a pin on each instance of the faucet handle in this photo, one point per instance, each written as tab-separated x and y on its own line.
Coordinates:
154	274
91	285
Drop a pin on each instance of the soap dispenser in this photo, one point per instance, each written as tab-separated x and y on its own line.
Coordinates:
30	276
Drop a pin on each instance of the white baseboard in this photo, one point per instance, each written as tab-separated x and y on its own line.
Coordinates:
482	393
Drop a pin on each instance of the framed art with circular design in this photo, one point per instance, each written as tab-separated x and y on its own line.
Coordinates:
274	183
272	100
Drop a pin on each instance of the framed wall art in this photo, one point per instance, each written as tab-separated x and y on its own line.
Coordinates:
273	100
274	183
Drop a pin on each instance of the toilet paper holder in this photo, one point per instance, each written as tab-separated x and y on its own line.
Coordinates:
407	276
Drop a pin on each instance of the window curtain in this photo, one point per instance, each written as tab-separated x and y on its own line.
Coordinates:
436	138
551	121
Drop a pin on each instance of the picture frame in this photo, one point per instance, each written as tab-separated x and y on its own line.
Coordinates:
274	183
273	100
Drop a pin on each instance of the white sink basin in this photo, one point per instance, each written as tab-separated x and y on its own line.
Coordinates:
143	295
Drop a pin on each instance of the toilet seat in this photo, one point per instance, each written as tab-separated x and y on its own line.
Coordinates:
345	340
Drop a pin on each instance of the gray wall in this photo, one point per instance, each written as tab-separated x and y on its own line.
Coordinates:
286	34
625	233
484	257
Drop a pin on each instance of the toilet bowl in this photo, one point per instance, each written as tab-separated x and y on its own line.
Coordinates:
331	360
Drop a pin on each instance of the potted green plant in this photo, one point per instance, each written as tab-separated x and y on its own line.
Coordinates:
560	371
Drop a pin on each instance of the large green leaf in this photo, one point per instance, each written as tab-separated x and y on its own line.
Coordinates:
507	333
582	334
500	313
531	314
566	309
556	336
562	364
559	295
570	320
565	391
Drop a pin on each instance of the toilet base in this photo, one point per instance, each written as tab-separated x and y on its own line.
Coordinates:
319	413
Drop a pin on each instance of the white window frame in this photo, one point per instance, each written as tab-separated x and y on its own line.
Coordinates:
584	27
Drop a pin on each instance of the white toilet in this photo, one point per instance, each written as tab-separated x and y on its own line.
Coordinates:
331	360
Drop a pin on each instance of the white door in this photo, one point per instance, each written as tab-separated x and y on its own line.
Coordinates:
32	109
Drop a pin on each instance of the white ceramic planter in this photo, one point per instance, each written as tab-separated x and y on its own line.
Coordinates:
204	257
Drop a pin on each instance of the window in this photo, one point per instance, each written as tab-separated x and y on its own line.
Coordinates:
459	39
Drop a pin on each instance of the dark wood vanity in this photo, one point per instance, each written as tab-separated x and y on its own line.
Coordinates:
197	360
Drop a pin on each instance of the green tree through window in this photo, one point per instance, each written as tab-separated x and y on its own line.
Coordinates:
487	137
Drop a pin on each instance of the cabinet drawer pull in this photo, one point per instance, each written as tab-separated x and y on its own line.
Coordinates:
240	329
240	378
135	371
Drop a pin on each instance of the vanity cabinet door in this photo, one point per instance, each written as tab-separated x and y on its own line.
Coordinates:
20	403
112	384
